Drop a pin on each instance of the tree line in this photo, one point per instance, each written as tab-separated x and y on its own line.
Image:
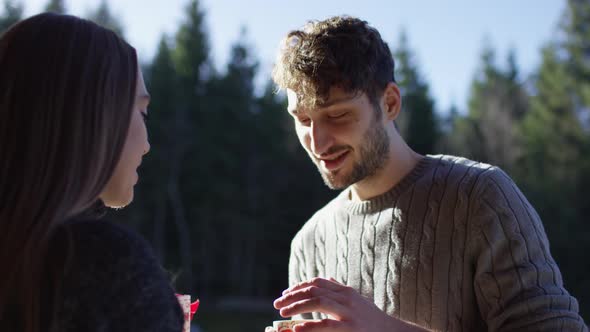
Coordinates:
226	184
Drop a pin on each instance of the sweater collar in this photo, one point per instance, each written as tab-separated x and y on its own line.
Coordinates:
379	202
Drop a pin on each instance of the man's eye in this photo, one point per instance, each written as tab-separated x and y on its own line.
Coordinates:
338	115
303	121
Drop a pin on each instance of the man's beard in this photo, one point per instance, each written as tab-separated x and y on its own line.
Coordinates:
372	156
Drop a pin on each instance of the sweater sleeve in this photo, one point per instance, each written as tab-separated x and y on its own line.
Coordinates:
297	266
296	261
114	283
517	283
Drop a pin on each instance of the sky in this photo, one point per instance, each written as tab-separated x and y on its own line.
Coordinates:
447	37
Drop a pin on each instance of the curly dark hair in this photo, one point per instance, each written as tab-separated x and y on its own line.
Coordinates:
340	51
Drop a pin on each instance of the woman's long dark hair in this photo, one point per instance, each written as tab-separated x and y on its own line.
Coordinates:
67	89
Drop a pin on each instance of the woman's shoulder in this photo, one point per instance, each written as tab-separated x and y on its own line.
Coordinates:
101	238
111	279
101	233
99	251
99	247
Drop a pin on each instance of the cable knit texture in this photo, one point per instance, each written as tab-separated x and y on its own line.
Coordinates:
454	246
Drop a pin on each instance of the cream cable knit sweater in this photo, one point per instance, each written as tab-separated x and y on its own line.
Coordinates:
455	246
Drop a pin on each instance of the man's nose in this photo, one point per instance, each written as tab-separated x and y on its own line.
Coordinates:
320	139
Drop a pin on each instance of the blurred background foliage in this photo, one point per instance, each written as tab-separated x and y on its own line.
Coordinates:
226	184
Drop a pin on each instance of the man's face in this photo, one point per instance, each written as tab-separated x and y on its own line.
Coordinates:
344	137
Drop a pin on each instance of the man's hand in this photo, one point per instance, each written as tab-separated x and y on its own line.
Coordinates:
346	309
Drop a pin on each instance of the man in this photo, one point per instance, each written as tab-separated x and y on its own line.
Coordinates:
412	242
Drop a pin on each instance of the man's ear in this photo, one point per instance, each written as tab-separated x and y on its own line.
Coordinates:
391	101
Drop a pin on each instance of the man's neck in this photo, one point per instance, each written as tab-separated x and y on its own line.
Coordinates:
400	162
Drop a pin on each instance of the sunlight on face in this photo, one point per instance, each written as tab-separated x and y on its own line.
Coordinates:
344	137
119	190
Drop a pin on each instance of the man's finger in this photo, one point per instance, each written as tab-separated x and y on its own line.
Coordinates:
322	304
308	293
325	325
335	281
317	282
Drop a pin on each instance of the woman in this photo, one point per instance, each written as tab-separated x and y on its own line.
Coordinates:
72	134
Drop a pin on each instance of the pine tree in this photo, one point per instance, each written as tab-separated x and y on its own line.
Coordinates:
556	164
56	6
418	121
448	127
162	81
103	15
191	54
236	158
13	12
190	150
576	26
497	103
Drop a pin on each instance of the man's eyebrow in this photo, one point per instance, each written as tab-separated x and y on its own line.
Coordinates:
337	101
297	111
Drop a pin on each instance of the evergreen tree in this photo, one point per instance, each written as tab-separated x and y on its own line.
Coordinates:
577	44
418	122
56	6
162	81
234	166
191	54
13	12
497	103
576	26
552	110
556	163
103	15
448	128
189	182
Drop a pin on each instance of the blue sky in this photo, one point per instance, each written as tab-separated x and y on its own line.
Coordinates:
446	36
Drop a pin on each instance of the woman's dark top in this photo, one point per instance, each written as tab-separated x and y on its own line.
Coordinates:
109	280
